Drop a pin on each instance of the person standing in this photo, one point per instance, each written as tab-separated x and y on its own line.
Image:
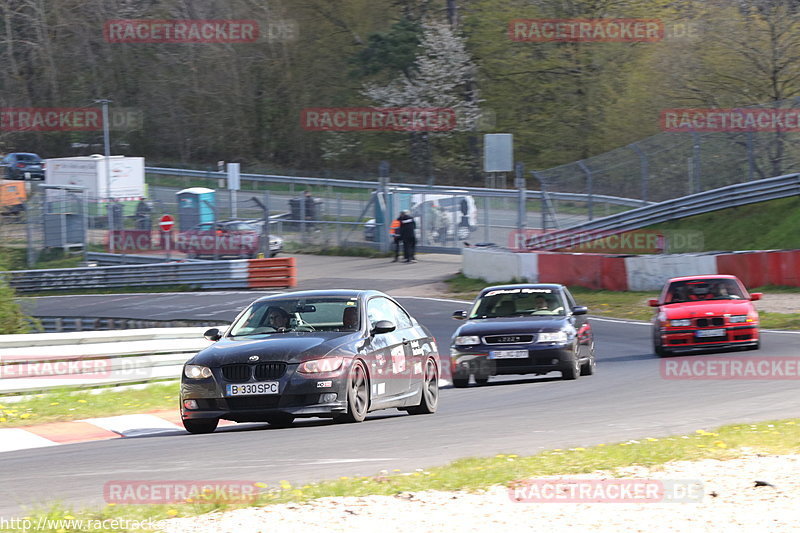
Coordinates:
408	230
394	233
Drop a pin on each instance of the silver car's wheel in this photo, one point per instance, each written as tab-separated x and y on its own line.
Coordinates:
430	391
357	395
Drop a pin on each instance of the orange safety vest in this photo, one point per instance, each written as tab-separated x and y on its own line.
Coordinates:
394	229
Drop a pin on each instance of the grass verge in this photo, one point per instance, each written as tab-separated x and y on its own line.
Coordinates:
70	404
627	305
726	442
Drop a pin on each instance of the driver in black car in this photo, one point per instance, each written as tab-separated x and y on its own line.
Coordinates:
277	318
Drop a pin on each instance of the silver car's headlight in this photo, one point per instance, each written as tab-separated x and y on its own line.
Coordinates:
196	372
684	322
467	340
559	337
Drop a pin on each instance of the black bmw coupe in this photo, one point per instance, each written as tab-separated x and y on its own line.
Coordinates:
332	354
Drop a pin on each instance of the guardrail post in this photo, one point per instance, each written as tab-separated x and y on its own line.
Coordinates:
520	183
697	187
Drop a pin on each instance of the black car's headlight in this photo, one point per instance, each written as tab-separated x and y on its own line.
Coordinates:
467	340
558	337
316	366
196	372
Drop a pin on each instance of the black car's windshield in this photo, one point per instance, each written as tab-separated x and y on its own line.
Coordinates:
297	315
703	289
518	302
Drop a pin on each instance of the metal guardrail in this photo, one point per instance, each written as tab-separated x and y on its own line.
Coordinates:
413	188
233	274
45	361
58	324
695	204
107	259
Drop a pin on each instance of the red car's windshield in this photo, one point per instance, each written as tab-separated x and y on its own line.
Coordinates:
703	289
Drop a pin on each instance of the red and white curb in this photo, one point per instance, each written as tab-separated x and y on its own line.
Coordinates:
91	429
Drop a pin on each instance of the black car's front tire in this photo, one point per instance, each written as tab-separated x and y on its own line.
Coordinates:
430	391
200	425
357	395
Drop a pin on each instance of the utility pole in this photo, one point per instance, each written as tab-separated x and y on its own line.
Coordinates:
107	145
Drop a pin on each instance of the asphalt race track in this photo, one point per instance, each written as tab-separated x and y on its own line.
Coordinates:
626	399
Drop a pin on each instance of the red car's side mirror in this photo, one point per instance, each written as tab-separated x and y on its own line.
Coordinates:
652	302
755	296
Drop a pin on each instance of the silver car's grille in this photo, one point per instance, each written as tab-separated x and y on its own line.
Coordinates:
508	339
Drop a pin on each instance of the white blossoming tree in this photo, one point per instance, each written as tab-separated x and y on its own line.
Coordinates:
442	77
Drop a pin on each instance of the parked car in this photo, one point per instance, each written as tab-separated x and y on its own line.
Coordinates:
23	166
695	312
522	329
222	239
336	354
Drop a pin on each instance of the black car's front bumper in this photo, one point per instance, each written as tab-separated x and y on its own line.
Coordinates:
541	359
300	395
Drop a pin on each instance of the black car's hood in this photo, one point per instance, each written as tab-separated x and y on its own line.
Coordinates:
288	347
515	324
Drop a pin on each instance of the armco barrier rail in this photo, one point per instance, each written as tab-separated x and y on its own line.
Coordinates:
235	274
413	188
696	204
44	361
57	324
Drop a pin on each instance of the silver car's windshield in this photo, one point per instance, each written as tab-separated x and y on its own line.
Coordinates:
518	302
297	315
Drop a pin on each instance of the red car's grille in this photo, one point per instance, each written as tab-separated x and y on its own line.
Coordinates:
713	321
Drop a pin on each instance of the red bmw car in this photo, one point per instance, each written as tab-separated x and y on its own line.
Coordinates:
707	312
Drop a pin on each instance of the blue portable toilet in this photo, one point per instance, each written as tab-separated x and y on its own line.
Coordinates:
195	206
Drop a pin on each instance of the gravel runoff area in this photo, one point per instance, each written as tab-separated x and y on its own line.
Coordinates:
753	493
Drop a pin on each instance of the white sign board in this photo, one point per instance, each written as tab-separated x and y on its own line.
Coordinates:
234	179
126	177
498	152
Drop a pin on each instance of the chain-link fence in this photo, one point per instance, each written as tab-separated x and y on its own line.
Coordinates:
674	164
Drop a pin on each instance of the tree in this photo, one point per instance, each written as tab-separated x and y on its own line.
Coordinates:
439	78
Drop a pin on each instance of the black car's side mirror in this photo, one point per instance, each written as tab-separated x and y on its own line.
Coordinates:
580	310
460	315
383	326
212	334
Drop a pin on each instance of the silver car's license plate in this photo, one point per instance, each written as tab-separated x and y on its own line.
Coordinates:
508	354
245	389
711	333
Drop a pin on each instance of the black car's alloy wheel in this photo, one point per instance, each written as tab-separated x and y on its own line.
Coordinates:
574	369
430	391
200	425
357	395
